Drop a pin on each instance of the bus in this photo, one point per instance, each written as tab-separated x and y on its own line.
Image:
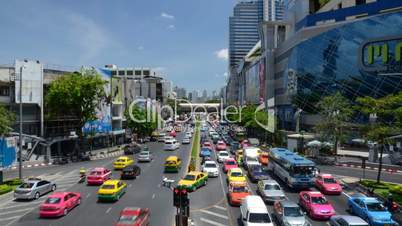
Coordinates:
295	170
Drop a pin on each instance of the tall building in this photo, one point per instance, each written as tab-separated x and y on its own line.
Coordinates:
243	29
180	92
204	95
274	10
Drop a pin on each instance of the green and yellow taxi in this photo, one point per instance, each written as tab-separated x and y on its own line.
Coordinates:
235	175
122	162
193	180
172	164
111	190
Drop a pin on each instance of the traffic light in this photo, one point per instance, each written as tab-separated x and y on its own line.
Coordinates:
180	197
176	197
184	198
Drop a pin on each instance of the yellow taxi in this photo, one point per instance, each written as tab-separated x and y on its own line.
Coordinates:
111	190
193	180
122	162
235	175
172	164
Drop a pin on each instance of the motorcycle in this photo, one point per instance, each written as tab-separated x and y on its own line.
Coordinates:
83	176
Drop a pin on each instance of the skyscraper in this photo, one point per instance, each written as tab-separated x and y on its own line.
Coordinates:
243	29
274	10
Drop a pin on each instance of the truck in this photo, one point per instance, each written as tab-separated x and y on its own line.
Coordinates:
250	156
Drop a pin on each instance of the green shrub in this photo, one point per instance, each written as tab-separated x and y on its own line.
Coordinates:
396	189
13	182
5	189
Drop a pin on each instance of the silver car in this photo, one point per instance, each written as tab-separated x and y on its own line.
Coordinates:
270	191
33	188
288	213
346	220
145	156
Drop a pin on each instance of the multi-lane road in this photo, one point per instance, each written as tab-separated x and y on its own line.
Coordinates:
208	204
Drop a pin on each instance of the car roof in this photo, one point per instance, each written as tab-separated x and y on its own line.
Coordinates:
111	182
326	175
315	193
223	152
256	204
269	182
193	173
98	169
131	210
58	194
230	160
369	199
123	157
210	162
353	220
172	157
236	170
287	203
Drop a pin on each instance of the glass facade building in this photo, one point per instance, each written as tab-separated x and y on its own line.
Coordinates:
359	58
274	10
243	29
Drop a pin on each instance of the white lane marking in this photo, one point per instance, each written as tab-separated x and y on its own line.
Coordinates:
215	214
109	209
211	222
89	194
8	218
153	196
16	211
220	207
346	194
19	205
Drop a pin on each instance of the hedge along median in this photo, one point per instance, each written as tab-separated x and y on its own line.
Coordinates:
382	189
195	148
9	185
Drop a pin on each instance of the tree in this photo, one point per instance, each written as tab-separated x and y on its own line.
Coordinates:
138	123
385	115
7	119
336	112
77	95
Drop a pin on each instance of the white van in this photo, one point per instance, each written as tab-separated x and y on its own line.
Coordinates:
254	212
251	156
171	144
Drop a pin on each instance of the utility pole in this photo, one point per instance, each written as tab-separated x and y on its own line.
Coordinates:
20	144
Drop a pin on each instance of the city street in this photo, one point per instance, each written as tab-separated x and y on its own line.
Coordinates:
145	192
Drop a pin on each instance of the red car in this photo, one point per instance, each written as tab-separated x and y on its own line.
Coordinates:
59	204
98	176
207	145
327	184
229	164
172	133
134	216
220	146
316	205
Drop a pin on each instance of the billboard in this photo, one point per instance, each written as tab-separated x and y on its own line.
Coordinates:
7	152
32	81
103	123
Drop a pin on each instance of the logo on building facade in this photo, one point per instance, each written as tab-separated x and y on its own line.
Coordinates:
383	55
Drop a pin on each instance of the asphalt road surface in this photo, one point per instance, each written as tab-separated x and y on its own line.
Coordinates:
145	191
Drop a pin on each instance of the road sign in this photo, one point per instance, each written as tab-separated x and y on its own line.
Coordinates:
7	153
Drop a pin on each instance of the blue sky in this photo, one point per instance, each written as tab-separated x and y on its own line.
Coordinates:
186	39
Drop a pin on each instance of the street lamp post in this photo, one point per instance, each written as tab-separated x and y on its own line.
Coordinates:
20	143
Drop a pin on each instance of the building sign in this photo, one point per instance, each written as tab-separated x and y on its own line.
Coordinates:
383	55
32	81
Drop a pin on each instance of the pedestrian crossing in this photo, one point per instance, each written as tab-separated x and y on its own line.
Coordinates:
216	215
12	210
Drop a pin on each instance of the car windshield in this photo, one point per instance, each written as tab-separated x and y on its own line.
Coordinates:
52	200
170	162
189	177
210	165
259	218
240	189
107	186
272	187
236	174
257	169
329	181
292	212
319	200
125	219
96	173
375	206
230	163
303	170
120	160
223	154
144	153
27	185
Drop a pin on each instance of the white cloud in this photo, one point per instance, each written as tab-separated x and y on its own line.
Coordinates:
159	69
222	54
140	48
171	27
167	16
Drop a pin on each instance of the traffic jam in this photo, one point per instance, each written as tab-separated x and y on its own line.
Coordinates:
110	189
276	186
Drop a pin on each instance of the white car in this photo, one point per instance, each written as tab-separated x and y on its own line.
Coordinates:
211	168
223	155
171	145
189	134
185	140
